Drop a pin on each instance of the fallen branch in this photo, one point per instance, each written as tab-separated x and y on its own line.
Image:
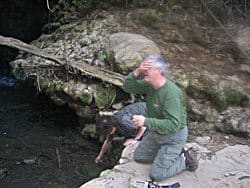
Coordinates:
49	7
15	43
104	75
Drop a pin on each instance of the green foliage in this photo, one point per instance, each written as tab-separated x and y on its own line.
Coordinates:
84	5
176	37
103	55
104	97
85	98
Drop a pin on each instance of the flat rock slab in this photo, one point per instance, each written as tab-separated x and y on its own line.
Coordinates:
229	167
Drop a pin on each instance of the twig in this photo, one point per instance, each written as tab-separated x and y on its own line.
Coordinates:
179	48
58	158
38	82
49	7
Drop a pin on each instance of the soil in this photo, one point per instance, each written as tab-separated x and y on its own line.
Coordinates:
39	145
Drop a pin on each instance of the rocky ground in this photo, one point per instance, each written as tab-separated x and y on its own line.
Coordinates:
228	167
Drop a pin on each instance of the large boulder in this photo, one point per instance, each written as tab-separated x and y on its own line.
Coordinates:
130	49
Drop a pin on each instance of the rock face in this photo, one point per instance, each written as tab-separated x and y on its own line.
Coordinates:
236	121
129	49
229	167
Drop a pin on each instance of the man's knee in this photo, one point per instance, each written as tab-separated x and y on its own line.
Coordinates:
158	174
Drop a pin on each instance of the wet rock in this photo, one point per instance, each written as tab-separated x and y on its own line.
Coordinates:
130	49
236	121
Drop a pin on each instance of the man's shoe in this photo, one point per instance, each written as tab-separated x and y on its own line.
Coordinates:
191	159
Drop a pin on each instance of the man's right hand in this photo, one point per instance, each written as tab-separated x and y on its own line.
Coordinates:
129	142
142	68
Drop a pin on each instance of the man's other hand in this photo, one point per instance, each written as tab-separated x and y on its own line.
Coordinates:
138	120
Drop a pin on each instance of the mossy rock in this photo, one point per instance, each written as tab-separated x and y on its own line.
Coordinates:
49	85
86	97
104	96
226	98
19	73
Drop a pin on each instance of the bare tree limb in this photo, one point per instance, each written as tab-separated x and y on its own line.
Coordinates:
84	68
49	7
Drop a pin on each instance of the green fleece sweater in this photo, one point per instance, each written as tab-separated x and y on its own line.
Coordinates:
165	106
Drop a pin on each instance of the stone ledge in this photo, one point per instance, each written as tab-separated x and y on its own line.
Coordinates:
228	167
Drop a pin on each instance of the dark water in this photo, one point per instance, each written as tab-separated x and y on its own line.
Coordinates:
39	143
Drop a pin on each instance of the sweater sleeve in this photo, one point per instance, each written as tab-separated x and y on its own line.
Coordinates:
134	85
171	121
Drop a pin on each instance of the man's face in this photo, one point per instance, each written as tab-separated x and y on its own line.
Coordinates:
151	74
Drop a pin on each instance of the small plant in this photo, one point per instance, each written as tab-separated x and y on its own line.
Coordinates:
103	55
176	37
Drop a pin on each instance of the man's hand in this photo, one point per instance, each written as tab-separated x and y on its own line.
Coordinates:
138	120
129	142
142	68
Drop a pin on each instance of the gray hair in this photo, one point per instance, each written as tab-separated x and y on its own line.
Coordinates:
159	62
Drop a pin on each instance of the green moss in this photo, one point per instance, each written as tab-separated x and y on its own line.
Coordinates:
83	43
176	38
103	55
234	97
226	98
85	98
104	97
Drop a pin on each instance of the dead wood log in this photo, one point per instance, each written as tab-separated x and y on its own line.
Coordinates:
102	74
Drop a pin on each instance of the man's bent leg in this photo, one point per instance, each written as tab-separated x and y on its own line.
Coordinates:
168	162
146	150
